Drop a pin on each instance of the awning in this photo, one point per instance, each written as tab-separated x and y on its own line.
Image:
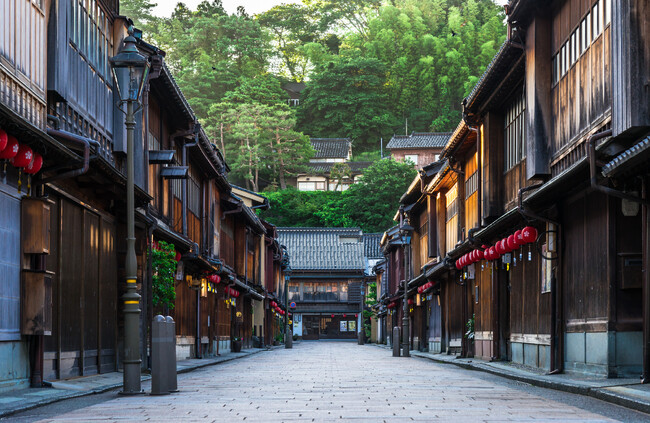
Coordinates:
630	160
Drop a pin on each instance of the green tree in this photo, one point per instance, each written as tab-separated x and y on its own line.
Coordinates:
141	12
163	265
371	202
347	98
292	26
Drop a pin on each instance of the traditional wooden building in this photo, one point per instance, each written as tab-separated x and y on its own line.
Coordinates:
62	202
331	168
421	148
327	271
540	204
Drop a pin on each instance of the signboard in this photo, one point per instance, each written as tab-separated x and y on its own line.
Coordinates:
352	326
343	326
292	304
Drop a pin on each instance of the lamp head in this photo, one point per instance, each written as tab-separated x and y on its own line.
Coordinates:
130	70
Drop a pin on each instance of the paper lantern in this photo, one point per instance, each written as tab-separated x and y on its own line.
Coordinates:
177	257
512	243
10	149
518	238
458	265
24	156
3	139
480	254
215	278
529	234
499	248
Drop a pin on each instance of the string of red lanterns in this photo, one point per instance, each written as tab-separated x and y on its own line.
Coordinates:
425	287
508	244
21	157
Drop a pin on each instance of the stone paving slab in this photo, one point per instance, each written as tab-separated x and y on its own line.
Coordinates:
626	392
326	382
25	399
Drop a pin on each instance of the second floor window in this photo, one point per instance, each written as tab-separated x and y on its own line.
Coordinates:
515	132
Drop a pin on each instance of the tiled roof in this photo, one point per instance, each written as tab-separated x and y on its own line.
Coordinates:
372	246
355	167
331	148
419	140
324	248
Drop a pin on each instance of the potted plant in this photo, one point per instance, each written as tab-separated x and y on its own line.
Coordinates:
236	344
278	339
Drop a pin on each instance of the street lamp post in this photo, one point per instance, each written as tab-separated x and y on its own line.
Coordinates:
130	70
404	232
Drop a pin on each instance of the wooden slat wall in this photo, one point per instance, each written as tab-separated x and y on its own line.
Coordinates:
193	227
84	260
178	217
223	313
423	253
227	244
471	203
514	179
23	45
184	311
483	309
585	270
582	98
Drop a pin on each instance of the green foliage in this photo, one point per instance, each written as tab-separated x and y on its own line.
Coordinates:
347	98
372	202
371	300
469	333
163	266
290	208
369	204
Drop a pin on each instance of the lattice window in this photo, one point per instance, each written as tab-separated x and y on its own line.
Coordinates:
515	131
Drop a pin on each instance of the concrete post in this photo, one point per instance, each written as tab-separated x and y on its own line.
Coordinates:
159	356
288	342
171	363
396	341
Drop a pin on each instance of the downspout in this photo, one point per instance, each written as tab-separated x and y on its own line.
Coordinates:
593	173
556	285
184	186
645	378
146	288
79	141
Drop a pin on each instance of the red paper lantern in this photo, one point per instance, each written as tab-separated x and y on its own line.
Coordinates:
215	278
11	149
499	248
332	316
356	315
343	314
3	139
512	243
518	238
410	301
24	156
458	265
529	234
177	257
480	254
504	244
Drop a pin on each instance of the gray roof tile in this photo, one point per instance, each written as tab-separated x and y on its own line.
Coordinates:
331	148
419	140
355	167
372	247
324	248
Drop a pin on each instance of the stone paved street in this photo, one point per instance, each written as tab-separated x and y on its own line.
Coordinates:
340	381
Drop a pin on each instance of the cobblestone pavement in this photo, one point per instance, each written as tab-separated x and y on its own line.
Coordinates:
334	381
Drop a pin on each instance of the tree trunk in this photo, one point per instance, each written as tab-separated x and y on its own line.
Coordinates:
283	182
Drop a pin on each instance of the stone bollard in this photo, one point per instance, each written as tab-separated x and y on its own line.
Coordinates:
396	341
171	362
159	356
288	339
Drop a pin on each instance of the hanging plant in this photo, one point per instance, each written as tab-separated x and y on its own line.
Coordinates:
163	265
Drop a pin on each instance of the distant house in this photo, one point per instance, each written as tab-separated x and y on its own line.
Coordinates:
294	90
332	157
328	268
421	148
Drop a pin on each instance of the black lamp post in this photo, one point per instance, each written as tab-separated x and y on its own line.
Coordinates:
405	236
130	70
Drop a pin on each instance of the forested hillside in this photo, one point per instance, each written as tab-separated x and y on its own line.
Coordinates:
372	68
